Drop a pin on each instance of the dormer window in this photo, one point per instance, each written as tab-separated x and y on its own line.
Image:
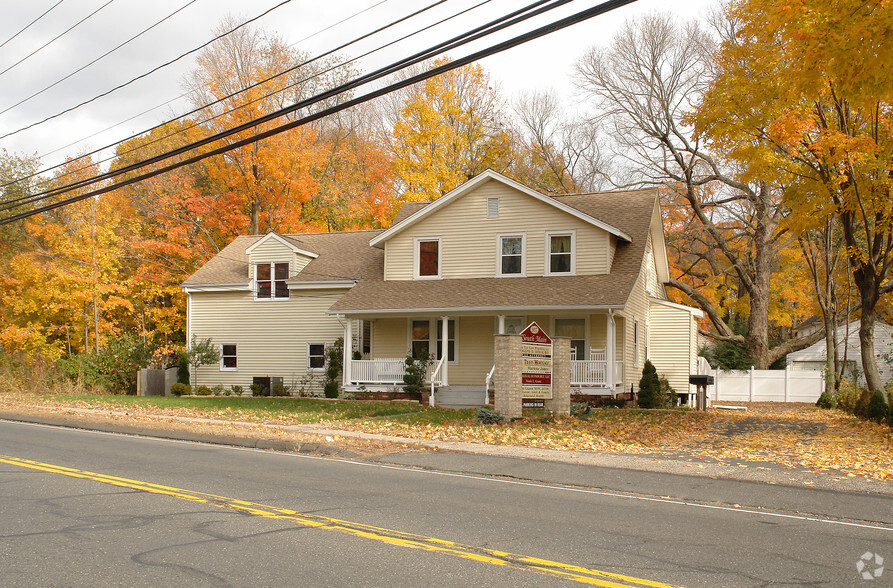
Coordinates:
427	258
271	281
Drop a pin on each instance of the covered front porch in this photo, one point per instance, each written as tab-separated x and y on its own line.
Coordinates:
375	361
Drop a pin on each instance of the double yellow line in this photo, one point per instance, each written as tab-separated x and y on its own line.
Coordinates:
389	536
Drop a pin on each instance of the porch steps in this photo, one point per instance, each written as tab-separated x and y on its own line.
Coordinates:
460	396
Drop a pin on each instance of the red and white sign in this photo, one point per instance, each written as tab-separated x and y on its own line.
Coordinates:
536	363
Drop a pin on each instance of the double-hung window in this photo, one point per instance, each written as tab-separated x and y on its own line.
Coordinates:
511	255
559	253
228	358
421	338
427	258
451	340
316	357
271	280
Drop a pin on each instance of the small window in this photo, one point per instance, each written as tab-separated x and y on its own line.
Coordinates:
492	207
514	325
316	356
511	255
272	280
561	254
228	359
428	258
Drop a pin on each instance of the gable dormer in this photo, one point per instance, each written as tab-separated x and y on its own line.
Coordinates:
272	261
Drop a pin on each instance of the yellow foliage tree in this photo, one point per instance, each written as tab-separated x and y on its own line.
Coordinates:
821	125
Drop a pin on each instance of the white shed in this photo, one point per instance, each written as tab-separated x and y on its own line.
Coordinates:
813	357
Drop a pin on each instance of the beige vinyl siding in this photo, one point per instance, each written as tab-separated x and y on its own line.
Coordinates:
271	335
469	237
636	310
673	344
389	338
475	355
598	332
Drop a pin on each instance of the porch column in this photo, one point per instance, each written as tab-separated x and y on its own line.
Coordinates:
609	351
501	329
348	350
445	337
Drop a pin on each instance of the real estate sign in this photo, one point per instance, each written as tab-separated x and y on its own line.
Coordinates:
536	363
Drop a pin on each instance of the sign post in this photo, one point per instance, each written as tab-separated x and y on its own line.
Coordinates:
536	363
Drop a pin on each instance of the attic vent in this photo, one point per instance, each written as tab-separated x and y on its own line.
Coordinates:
492	207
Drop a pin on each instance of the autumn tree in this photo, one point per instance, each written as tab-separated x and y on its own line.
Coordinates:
820	125
642	86
271	178
556	153
450	128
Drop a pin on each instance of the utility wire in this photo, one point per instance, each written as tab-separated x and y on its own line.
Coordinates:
106	54
529	11
139	77
108	128
54	39
513	42
505	21
222	99
27	26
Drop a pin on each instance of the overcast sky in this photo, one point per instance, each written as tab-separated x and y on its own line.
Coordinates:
538	65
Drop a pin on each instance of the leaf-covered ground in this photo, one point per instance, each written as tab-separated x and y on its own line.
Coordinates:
792	435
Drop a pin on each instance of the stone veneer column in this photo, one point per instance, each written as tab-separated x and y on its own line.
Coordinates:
561	377
507	385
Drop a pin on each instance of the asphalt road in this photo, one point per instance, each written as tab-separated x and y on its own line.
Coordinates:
82	508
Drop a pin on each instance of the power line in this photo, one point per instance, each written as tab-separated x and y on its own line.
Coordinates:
27	26
139	77
505	21
106	54
54	39
499	47
222	99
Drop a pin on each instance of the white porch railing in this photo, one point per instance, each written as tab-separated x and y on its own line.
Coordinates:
387	370
433	377
593	372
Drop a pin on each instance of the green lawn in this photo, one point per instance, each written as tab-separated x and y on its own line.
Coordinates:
291	410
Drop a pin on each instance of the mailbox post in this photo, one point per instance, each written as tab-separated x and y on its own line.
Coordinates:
701	381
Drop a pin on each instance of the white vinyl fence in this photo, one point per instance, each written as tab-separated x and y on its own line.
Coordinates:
766	386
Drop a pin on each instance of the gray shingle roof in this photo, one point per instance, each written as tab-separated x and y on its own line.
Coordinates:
630	211
348	256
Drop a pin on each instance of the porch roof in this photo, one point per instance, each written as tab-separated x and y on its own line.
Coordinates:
485	294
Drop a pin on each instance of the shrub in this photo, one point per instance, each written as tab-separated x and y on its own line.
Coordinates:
181	389
847	396
890	409
667	393
579	409
114	367
259	390
414	375
877	407
861	408
217	390
237	390
488	416
334	357
649	388
826	400
280	390
202	391
183	369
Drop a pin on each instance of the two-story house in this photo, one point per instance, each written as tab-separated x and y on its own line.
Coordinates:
489	257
